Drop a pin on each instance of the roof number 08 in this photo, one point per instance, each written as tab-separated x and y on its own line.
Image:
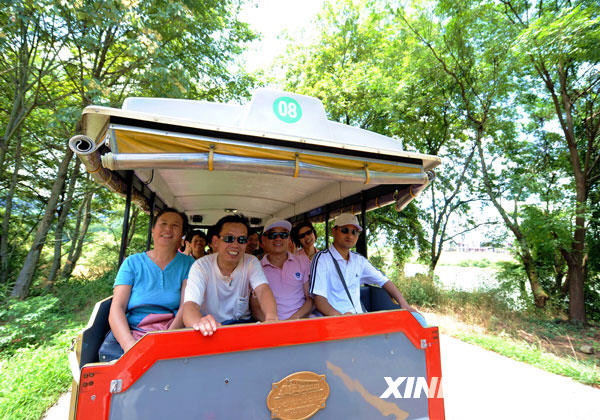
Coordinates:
287	109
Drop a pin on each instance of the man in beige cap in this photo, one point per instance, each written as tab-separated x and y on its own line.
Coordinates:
287	276
337	273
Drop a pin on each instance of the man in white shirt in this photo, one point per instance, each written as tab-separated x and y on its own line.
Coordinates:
219	284
331	297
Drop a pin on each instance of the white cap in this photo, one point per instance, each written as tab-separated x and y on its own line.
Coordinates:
275	222
347	219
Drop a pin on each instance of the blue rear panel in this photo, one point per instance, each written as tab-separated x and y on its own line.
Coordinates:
236	385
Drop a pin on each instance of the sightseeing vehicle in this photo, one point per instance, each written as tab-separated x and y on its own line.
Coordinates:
276	156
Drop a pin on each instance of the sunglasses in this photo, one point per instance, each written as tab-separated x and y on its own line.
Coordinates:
275	235
345	231
302	235
229	239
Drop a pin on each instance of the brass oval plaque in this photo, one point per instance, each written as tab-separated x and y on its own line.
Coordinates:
298	396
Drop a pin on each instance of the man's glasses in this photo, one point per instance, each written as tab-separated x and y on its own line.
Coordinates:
275	235
229	239
345	231
302	235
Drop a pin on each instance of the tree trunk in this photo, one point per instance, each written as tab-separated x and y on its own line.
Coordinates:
4	254
63	213
576	296
576	270
75	251
132	225
74	237
559	273
563	105
575	281
21	288
440	221
539	295
434	260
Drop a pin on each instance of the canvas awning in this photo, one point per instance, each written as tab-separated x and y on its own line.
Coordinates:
208	159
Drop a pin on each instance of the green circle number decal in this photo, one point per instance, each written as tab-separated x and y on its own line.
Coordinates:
287	109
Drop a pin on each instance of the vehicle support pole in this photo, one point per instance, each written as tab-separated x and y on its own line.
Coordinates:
125	231
151	220
327	229
361	245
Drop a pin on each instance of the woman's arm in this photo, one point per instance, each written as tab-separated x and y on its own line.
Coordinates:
178	321
117	319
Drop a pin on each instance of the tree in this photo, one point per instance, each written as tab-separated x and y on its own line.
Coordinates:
29	49
475	51
560	45
426	118
370	74
114	49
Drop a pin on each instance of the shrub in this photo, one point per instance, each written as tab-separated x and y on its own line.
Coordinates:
378	261
77	294
25	322
419	290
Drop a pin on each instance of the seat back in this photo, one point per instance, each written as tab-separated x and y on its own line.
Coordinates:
95	331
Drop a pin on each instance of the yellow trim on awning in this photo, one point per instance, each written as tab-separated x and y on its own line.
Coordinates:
136	142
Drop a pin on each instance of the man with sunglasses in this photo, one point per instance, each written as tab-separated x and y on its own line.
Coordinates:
287	276
219	284
334	296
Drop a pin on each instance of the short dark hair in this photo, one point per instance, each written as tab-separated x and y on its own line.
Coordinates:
210	232
231	218
183	216
296	231
195	232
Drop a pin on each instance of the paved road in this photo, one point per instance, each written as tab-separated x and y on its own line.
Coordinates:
480	384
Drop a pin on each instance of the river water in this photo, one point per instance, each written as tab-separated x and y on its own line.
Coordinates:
456	277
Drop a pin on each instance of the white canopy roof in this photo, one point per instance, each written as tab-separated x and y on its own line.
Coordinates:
279	125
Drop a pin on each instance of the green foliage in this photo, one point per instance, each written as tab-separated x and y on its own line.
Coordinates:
546	232
378	261
77	294
512	279
420	290
33	321
29	321
592	285
32	378
403	231
60	56
35	335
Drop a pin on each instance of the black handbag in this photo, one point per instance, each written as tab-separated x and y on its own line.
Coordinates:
110	349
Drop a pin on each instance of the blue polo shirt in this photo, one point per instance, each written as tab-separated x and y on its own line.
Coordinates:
151	285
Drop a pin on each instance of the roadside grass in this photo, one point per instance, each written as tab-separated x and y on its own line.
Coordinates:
33	378
584	371
484	317
35	337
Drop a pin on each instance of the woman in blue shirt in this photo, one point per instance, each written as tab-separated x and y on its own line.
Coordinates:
155	277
